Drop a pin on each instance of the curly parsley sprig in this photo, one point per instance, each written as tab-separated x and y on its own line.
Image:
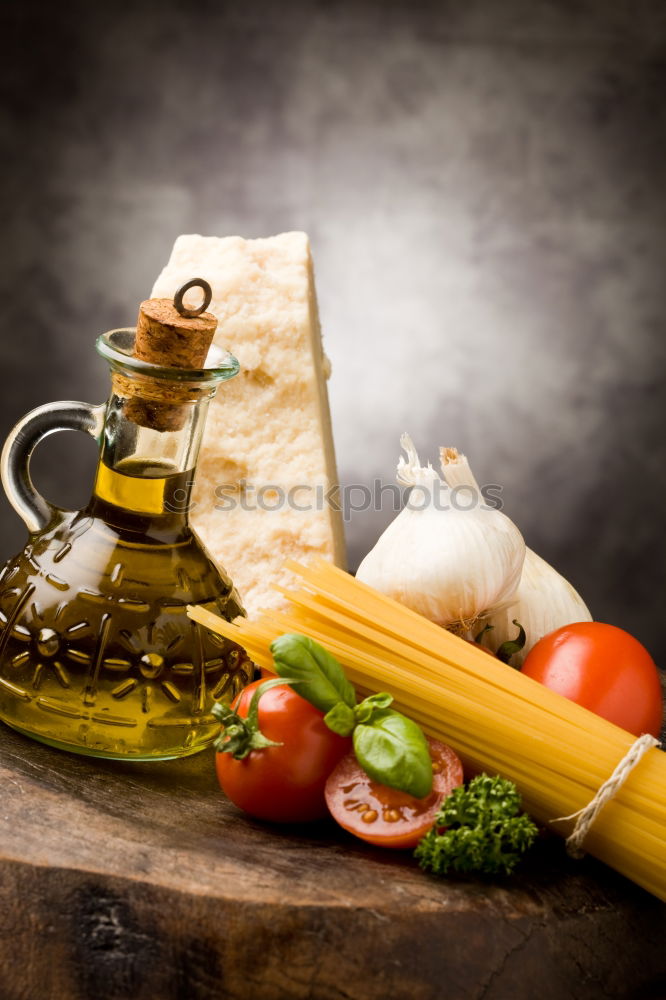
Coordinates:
478	829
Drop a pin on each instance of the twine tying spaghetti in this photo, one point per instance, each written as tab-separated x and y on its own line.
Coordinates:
586	816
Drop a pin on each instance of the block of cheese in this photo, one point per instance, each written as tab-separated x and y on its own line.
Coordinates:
267	466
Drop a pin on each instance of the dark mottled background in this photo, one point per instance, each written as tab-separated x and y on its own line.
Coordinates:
483	183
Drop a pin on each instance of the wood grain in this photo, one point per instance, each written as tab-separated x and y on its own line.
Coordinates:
132	881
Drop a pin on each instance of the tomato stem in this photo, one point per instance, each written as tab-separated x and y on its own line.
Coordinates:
511	646
242	735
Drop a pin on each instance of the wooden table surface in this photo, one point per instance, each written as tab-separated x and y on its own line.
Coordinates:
131	881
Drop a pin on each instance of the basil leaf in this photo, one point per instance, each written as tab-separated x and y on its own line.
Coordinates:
341	719
321	679
393	751
367	708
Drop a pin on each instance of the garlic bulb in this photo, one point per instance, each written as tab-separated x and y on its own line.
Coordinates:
544	601
447	554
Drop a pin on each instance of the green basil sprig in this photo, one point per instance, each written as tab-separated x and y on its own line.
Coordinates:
390	748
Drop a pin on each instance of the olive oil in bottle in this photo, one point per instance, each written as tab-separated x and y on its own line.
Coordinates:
102	654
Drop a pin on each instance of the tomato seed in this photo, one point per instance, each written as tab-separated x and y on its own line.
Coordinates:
436	767
369	816
391	816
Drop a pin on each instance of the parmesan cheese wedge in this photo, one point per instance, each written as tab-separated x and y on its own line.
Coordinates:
266	479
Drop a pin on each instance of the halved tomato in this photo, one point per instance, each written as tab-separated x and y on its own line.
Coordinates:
383	815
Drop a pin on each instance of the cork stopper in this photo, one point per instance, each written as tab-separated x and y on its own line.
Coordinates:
171	335
167	336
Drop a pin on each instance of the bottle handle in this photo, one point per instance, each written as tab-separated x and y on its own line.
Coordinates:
67	415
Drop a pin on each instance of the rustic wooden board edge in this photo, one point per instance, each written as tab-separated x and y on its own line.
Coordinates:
78	936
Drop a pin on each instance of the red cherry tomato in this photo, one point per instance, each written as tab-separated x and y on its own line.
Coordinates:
603	668
383	815
284	783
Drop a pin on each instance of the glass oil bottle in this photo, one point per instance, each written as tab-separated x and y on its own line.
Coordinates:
97	653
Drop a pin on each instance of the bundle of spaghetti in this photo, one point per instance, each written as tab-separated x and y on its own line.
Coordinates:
497	719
